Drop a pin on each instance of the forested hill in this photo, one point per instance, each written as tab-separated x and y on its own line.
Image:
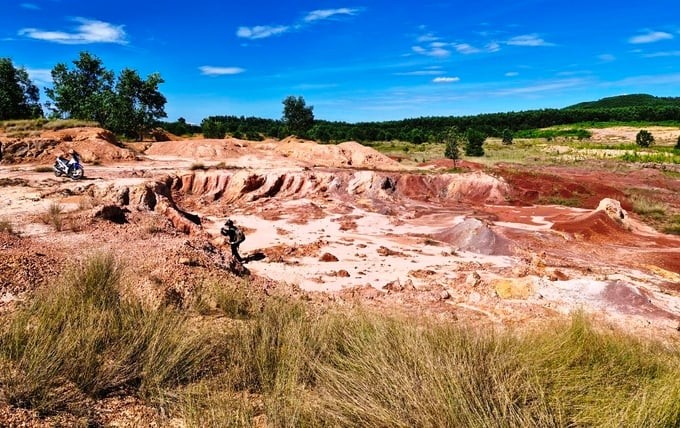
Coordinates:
633	100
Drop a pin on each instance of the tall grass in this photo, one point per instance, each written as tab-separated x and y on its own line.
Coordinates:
80	340
244	359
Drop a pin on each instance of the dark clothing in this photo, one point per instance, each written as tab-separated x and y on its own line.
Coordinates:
233	234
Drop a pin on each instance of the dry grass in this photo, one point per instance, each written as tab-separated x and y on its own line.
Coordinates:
54	216
6	226
238	358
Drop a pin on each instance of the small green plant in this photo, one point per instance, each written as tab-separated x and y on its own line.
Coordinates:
507	137
648	207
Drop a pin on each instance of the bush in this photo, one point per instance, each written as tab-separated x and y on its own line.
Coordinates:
475	143
644	138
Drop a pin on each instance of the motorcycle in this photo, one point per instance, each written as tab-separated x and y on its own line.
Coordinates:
70	168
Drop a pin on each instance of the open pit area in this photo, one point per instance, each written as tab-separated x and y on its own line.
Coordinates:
345	220
345	223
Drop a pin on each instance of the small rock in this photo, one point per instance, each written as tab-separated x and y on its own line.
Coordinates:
343	273
444	295
393	286
473	279
328	257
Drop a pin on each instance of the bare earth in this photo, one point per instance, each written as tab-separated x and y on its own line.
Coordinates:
346	223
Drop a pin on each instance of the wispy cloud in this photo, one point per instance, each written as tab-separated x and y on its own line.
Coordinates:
465	48
261	31
606	58
542	87
265	31
40	76
30	6
429	37
650	37
434	71
209	70
511	74
528	40
435	49
445	79
317	15
662	54
88	31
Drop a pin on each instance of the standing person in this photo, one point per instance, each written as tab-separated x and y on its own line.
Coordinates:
235	236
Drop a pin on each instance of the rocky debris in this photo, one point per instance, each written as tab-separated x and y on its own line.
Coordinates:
514	288
473	279
384	251
112	213
613	209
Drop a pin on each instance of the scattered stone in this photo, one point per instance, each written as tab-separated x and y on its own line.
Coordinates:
444	295
112	213
473	279
557	275
384	251
328	257
394	286
514	288
343	273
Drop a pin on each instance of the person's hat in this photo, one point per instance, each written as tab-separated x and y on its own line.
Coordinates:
229	222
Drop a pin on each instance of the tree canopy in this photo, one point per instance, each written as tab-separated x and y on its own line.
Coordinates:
297	116
131	107
19	97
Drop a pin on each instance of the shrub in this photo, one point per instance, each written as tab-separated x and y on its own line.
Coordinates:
53	216
507	136
475	143
644	138
677	144
6	227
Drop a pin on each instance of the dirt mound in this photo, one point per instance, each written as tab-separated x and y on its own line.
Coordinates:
347	154
475	236
593	226
93	145
198	149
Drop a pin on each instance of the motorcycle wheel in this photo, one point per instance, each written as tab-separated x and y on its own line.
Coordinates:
77	173
57	173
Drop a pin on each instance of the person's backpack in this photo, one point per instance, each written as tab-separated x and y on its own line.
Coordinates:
238	235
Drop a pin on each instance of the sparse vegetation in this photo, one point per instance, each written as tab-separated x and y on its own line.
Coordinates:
53	216
644	138
197	166
43	168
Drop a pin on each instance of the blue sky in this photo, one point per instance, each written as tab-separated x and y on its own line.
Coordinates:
357	60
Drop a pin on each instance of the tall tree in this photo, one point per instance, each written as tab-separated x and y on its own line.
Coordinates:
19	97
297	116
452	140
644	138
84	92
137	104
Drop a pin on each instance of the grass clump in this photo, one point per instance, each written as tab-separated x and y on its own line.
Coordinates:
69	123
198	166
81	340
54	216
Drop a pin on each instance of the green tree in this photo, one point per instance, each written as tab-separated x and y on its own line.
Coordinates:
297	117
677	144
19	97
84	92
644	138
452	144
475	142
212	128
137	104
507	136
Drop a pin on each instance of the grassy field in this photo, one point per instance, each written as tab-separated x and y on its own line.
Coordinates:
232	358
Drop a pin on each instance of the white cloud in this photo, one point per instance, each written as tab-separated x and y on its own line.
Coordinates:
435	51
662	54
40	76
465	48
493	47
511	74
543	87
528	40
650	37
606	58
317	15
89	31
429	37
30	6
264	31
428	72
445	79
261	31
209	70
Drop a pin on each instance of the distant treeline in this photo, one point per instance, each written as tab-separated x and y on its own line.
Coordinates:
630	108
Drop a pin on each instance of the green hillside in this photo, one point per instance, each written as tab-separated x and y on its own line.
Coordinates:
634	100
